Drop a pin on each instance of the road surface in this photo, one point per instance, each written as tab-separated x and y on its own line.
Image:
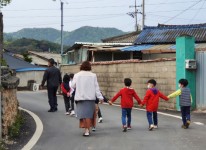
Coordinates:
61	132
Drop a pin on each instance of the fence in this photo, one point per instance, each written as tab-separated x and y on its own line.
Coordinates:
201	80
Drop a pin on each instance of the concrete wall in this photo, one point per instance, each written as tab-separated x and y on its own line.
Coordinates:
29	75
156	56
111	76
9	109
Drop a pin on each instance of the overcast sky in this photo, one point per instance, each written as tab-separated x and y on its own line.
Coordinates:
100	13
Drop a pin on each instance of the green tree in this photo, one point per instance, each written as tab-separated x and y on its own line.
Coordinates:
27	58
4	2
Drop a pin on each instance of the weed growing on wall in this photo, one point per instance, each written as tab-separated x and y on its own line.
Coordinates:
14	129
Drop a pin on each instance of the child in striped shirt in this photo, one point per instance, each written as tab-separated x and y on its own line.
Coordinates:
185	101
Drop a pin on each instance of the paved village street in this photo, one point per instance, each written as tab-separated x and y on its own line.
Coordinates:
62	133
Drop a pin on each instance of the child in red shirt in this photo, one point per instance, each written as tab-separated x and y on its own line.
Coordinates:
66	92
151	100
127	95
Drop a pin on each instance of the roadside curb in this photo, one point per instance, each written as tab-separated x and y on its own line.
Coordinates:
38	132
162	113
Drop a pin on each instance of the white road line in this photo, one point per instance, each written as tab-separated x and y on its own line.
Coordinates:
164	114
199	123
38	132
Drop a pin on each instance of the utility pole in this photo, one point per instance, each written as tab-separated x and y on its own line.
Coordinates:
136	24
1	56
143	13
62	25
134	14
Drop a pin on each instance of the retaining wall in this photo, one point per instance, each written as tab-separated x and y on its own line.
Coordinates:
111	75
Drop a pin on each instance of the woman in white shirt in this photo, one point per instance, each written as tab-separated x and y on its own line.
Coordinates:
87	89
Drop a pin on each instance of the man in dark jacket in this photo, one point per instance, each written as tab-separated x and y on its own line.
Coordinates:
53	78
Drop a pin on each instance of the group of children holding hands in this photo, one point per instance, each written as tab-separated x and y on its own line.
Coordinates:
151	100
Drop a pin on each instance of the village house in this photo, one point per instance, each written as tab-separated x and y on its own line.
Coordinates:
151	43
151	55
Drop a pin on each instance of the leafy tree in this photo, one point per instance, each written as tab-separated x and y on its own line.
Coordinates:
23	45
27	58
4	2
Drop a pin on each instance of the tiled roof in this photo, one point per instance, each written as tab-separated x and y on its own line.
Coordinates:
160	48
46	55
126	38
168	33
17	64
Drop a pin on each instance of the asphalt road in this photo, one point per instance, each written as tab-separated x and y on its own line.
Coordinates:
62	133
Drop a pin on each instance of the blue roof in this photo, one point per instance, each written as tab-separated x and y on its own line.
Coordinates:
136	48
30	69
19	64
168	33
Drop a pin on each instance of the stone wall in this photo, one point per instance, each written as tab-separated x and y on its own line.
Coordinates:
9	109
111	76
9	98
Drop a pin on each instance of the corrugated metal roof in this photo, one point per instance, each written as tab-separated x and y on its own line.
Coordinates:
169	33
200	79
136	48
160	48
147	48
126	38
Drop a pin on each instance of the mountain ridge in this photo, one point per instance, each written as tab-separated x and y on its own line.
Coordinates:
82	34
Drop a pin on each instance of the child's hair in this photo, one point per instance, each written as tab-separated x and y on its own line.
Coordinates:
152	81
127	82
71	75
184	82
66	78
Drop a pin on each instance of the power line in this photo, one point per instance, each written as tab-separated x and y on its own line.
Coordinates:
166	3
67	8
183	11
64	22
152	17
70	16
201	6
172	10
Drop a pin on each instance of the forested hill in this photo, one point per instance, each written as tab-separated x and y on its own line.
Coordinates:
83	34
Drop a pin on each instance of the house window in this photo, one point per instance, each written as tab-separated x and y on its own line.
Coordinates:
102	56
122	55
137	55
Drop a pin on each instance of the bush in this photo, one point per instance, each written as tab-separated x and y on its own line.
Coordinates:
14	129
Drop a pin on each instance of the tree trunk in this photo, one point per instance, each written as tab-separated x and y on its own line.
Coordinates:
1	36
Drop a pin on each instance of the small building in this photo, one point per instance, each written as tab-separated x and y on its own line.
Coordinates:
24	70
109	50
41	58
152	43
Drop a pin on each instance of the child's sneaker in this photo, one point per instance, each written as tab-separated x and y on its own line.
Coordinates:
100	120
72	113
155	127
129	128
187	124
151	127
124	129
184	127
93	129
67	113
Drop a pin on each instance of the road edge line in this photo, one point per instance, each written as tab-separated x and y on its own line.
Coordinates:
37	134
161	113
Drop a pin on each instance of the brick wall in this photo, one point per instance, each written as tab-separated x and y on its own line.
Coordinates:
111	76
